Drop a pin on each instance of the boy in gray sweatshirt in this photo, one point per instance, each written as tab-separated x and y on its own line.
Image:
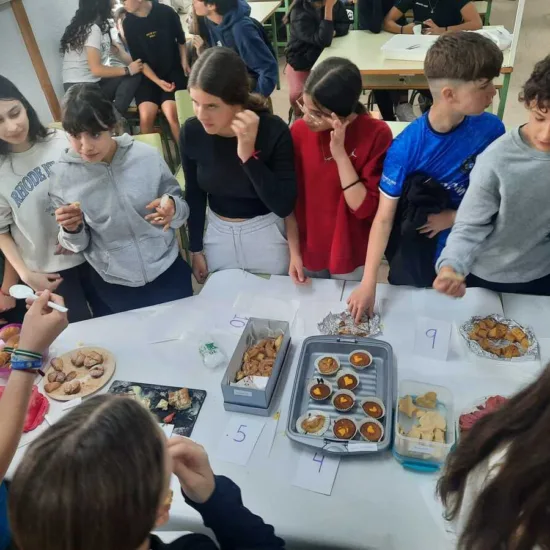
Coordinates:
501	236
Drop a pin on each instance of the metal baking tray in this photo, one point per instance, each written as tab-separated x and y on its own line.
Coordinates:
376	380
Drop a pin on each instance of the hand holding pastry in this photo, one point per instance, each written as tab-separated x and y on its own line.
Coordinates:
69	217
165	210
192	468
245	126
449	282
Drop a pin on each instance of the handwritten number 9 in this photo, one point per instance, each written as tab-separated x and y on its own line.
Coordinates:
240	432
432	334
320	462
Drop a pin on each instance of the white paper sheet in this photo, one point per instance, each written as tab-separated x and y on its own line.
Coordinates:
316	472
239	439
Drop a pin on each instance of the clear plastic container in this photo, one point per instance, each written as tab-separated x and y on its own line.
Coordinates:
212	356
417	454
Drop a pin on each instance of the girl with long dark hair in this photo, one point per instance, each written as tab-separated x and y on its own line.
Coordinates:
86	46
238	160
496	484
118	203
28	232
339	150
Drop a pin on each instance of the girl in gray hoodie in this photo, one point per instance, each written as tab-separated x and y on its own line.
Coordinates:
117	203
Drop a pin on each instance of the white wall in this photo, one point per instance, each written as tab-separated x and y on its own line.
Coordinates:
48	19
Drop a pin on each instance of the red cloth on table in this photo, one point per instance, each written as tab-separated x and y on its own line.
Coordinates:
38	407
332	236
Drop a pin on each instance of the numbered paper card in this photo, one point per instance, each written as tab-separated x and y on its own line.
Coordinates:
239	439
316	472
432	338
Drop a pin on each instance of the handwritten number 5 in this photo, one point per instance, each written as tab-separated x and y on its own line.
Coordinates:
432	333
239	431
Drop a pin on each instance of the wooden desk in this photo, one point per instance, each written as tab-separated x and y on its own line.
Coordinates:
364	49
262	11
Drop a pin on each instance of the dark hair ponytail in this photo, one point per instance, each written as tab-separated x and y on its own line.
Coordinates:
37	131
222	73
86	109
336	85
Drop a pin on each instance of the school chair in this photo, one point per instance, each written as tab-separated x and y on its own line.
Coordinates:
132	116
184	106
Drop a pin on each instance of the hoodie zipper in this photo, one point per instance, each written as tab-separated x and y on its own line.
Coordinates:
123	205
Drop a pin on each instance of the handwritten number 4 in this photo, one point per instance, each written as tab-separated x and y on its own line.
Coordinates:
320	462
239	431
432	333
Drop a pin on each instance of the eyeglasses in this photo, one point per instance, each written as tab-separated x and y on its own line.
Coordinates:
315	118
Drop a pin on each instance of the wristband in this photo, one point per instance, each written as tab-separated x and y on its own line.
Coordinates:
26	363
197	253
401	31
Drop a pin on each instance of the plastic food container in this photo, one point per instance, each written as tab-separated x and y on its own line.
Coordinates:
417	454
375	381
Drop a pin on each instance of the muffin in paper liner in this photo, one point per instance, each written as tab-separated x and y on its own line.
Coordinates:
343	324
344	392
319	380
324	356
373	399
347	419
310	414
529	354
370	420
347	372
360	352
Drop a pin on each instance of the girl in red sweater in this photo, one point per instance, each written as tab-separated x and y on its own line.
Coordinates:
339	151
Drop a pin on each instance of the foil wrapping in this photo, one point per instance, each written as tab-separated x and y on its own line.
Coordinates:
342	324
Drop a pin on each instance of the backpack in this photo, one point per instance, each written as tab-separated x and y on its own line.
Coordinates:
264	36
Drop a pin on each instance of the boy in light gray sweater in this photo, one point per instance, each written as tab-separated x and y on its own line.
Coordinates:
501	236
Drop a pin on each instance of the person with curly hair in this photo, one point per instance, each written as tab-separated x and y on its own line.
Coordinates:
87	46
500	237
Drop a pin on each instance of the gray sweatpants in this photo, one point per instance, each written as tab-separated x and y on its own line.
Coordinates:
257	245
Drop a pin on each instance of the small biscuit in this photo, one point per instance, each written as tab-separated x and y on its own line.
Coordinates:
524	343
518	334
70	376
52	386
406	406
72	387
491	323
439	436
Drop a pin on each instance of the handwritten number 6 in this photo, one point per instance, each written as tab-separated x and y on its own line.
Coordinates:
432	333
239	431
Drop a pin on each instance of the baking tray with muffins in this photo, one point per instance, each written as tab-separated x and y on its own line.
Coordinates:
343	394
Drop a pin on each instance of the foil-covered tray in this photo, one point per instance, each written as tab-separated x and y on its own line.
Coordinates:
529	354
338	324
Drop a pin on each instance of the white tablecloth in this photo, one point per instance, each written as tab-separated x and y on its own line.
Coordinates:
374	503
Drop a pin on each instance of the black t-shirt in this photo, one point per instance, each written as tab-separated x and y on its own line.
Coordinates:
265	183
444	13
154	39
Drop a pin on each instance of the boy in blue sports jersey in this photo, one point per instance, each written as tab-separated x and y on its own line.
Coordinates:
442	145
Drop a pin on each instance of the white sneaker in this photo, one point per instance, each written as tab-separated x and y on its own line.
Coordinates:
404	112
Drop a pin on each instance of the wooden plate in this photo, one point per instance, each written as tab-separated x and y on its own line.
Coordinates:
88	385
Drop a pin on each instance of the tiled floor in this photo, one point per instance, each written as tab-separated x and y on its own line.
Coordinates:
534	44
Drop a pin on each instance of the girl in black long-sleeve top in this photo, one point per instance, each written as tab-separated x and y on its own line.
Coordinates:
238	159
313	25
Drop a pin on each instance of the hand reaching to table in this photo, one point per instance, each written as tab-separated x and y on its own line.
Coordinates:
449	282
362	301
199	267
192	468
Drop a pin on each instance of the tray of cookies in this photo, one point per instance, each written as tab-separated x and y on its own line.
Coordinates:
342	398
496	337
424	425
